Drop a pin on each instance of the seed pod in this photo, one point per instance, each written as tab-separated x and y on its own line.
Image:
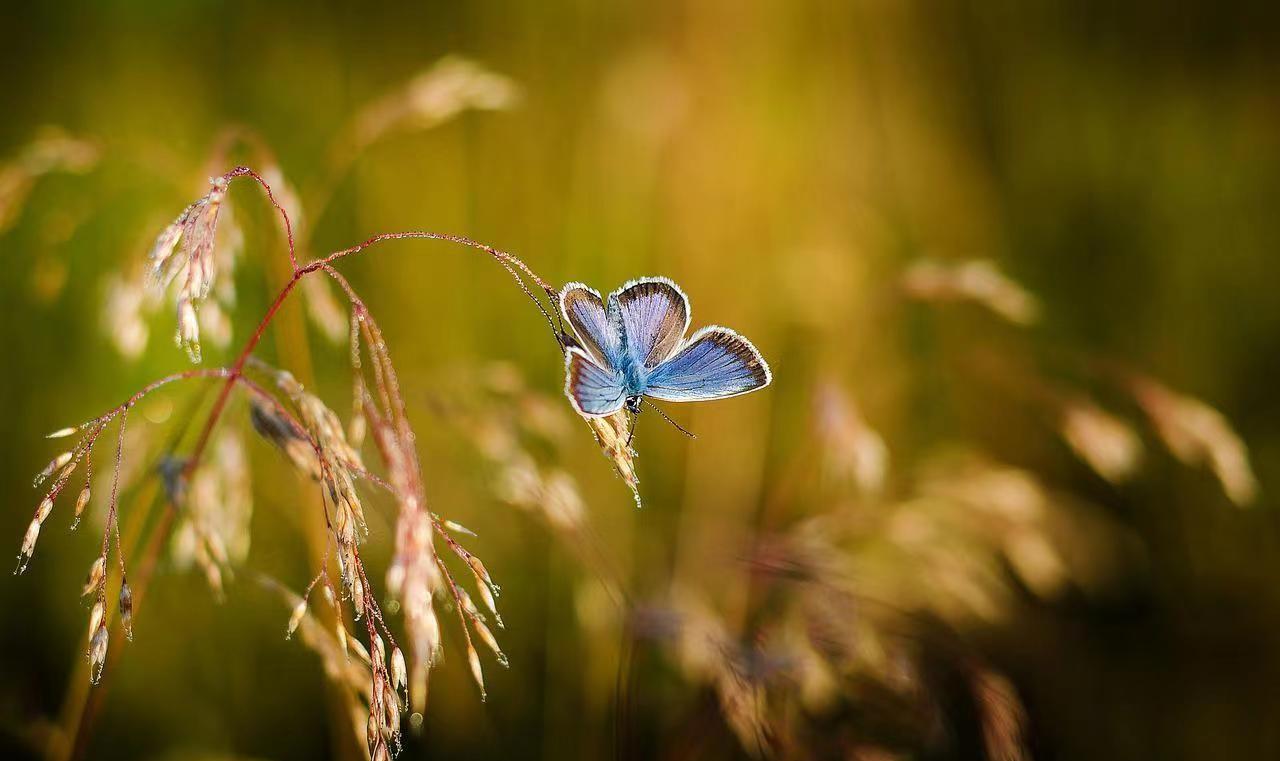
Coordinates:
458	527
53	465
476	672
98	653
343	523
487	637
95	615
358	647
97	572
62	433
357	594
487	596
28	545
399	675
341	632
390	712
187	335
46	507
347	564
81	502
295	618
372	733
162	249
126	608
480	570
66	472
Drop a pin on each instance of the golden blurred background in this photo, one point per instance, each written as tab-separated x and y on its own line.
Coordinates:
1013	265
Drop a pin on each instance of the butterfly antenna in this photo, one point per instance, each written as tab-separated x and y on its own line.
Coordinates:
678	427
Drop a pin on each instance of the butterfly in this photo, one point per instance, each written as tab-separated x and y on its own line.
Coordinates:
632	346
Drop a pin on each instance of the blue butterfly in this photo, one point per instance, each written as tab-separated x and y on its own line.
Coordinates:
633	346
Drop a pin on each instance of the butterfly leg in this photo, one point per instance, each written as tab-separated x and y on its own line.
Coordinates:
631	431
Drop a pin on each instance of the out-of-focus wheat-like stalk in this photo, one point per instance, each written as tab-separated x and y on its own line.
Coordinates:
1197	434
977	281
52	151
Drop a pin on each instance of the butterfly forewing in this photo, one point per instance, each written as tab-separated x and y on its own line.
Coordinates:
714	364
654	316
592	389
583	309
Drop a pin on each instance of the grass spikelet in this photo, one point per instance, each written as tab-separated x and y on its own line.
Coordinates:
612	433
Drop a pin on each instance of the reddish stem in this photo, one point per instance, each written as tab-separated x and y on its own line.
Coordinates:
244	171
236	370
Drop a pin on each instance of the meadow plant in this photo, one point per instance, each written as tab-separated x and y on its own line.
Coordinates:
313	438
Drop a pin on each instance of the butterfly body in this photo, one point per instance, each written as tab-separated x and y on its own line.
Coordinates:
633	346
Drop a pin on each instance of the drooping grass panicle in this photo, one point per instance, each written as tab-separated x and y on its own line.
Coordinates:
184	253
314	438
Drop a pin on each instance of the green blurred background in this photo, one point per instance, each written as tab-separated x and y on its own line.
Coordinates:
786	163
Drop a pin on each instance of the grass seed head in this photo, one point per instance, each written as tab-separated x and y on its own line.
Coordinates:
1104	442
477	673
96	615
399	675
126	608
187	334
28	545
81	502
53	465
45	507
357	595
340	631
295	618
97	572
98	653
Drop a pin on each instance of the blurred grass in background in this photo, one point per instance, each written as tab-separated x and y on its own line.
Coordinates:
790	165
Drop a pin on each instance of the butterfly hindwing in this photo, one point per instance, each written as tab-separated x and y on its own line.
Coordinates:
583	309
654	315
593	390
714	364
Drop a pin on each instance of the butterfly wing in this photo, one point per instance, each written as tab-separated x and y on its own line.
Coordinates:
594	391
716	363
583	309
653	315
